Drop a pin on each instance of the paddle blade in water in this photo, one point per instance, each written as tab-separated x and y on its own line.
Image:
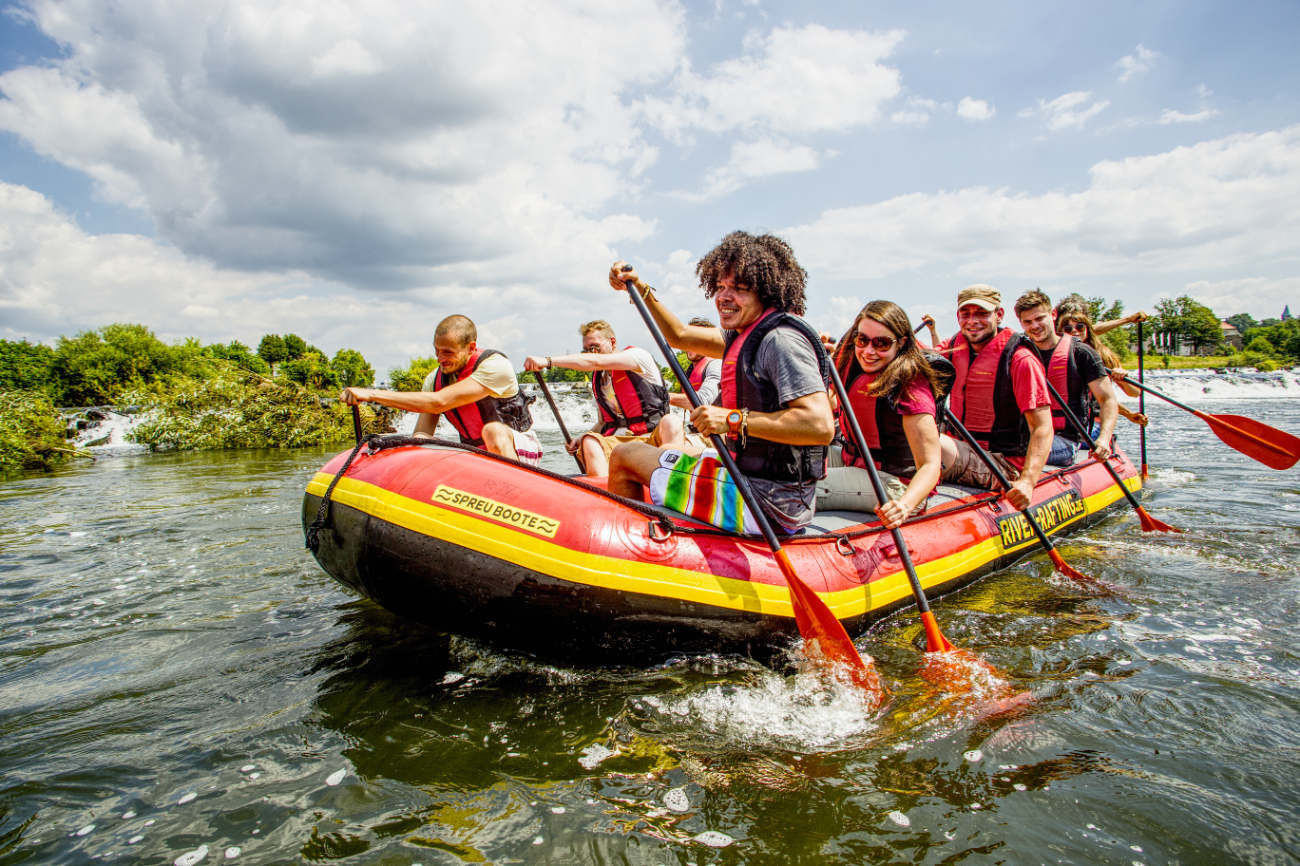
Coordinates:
959	671
935	642
1150	524
1066	569
824	636
1269	445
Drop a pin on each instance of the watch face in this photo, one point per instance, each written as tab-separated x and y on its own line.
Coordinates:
733	418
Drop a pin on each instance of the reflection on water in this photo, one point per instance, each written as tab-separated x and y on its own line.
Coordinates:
180	683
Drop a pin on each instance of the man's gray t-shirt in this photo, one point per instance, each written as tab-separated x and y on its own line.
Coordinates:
786	358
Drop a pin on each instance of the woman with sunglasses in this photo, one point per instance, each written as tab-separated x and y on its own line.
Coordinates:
1078	325
891	390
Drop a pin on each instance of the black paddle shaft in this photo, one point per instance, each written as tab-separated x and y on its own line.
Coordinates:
861	441
555	410
996	470
1092	444
1142	399
719	444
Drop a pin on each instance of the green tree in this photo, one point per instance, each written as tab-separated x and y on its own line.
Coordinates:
1262	346
312	370
295	347
1190	321
352	368
1119	339
240	355
26	366
272	349
1243	322
31	432
411	377
94	367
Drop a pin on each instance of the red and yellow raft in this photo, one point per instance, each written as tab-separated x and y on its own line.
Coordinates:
474	544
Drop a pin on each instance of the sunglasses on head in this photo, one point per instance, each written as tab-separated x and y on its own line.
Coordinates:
880	344
1074	328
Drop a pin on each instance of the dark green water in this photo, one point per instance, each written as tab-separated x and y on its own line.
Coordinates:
179	682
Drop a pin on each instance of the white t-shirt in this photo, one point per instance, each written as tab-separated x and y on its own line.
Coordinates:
495	374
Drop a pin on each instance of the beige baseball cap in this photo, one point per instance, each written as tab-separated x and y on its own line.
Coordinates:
981	295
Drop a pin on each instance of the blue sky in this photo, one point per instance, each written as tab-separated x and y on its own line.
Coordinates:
223	170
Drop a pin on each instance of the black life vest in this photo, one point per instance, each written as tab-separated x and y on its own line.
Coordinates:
742	389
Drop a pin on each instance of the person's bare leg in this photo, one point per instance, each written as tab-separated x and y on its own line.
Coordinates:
671	433
630	467
593	456
499	439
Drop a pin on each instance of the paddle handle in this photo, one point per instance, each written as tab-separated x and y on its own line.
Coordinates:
356	423
876	485
1142	400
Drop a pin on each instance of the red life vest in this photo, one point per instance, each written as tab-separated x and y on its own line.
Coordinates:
882	427
695	372
1059	368
470	418
1063	373
640	401
741	388
982	397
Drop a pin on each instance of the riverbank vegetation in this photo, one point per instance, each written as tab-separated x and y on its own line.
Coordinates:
284	395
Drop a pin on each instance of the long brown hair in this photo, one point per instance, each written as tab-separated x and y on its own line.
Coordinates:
1108	356
907	365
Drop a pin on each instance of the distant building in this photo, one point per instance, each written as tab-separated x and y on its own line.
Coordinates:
1231	335
1286	313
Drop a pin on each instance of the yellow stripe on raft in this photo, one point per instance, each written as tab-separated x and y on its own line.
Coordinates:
665	581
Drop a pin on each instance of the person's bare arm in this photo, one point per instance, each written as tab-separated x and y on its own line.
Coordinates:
805	420
696	339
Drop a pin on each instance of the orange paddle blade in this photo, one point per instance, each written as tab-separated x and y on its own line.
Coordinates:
824	636
1065	568
1269	445
959	671
935	642
1150	524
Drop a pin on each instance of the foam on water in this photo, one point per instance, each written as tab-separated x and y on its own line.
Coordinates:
806	711
1229	385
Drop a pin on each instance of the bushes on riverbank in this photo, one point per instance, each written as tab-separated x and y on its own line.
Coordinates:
31	433
238	409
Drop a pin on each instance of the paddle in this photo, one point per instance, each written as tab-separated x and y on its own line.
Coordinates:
935	642
1269	445
1061	565
555	410
356	422
1142	403
1149	523
824	635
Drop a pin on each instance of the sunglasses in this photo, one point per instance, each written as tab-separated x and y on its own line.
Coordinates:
880	344
1074	328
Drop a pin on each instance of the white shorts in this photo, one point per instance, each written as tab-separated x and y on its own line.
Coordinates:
528	447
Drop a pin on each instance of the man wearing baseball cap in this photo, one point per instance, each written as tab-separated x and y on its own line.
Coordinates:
1000	395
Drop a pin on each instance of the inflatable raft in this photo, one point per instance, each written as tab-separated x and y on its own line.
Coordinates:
474	544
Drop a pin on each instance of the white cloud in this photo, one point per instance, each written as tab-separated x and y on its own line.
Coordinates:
1221	204
1069	110
975	109
1170	115
791	80
1140	61
1263	298
751	160
389	146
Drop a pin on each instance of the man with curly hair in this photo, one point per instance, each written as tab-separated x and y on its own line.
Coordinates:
773	406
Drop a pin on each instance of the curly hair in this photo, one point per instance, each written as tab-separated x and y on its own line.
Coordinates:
907	365
765	263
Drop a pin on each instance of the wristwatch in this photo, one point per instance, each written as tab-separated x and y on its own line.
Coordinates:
733	422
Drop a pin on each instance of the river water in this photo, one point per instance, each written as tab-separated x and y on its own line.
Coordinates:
180	683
